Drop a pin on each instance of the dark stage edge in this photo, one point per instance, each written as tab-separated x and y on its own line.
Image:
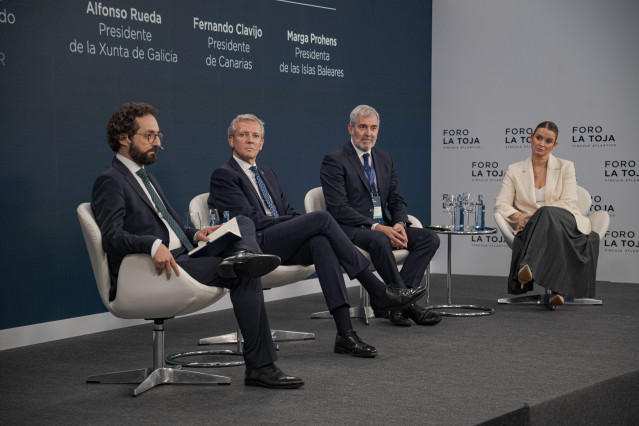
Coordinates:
522	365
611	402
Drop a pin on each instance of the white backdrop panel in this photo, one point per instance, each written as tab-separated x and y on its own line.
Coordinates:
499	68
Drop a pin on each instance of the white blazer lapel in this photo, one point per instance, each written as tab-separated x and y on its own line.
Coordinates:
528	182
553	175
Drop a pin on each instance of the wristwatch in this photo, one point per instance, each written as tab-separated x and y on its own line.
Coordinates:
402	223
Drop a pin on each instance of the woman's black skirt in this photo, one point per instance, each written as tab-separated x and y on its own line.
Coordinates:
561	258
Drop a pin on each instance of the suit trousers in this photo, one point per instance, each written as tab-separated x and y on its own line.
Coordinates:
316	238
422	245
246	295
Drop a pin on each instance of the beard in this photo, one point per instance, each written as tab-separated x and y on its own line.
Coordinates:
145	158
358	143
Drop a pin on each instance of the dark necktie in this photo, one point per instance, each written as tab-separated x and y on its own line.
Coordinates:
264	192
165	214
370	174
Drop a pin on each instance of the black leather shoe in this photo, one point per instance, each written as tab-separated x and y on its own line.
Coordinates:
396	299
247	264
422	316
398	318
270	376
350	343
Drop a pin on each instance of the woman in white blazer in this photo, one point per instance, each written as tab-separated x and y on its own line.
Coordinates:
555	247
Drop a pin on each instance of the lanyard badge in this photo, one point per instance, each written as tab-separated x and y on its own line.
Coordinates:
377	209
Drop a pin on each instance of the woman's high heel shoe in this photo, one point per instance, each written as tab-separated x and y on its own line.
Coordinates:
555	301
524	276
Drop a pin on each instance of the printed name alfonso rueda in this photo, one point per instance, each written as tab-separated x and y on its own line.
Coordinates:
98	9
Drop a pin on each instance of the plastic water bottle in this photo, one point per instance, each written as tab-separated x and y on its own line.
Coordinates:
213	217
227	216
480	210
459	214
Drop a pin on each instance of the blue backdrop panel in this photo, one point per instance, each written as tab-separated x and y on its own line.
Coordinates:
66	66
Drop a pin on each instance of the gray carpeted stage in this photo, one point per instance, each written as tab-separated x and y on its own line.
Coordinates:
522	365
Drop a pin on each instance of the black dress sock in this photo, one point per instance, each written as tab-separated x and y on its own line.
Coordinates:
342	317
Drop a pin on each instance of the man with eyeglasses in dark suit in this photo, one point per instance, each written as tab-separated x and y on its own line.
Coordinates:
134	216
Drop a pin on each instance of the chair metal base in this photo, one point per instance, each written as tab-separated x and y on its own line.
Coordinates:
479	310
290	336
173	359
362	312
149	378
542	299
277	335
160	373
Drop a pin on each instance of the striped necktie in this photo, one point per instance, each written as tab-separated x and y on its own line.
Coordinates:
264	192
370	174
163	211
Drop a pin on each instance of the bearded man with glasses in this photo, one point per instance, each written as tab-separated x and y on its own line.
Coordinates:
134	216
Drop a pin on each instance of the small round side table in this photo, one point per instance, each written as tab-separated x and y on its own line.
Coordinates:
479	310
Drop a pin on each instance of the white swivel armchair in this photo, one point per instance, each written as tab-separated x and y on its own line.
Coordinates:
314	201
143	294
281	276
599	223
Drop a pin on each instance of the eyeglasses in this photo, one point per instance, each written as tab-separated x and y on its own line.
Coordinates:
150	136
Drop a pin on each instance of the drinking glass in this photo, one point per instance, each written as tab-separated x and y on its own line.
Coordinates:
193	221
468	203
449	205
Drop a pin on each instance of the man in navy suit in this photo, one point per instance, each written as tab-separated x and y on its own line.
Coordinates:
244	188
134	216
362	193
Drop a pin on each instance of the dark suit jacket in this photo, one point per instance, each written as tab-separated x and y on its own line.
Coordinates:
348	196
232	190
127	217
